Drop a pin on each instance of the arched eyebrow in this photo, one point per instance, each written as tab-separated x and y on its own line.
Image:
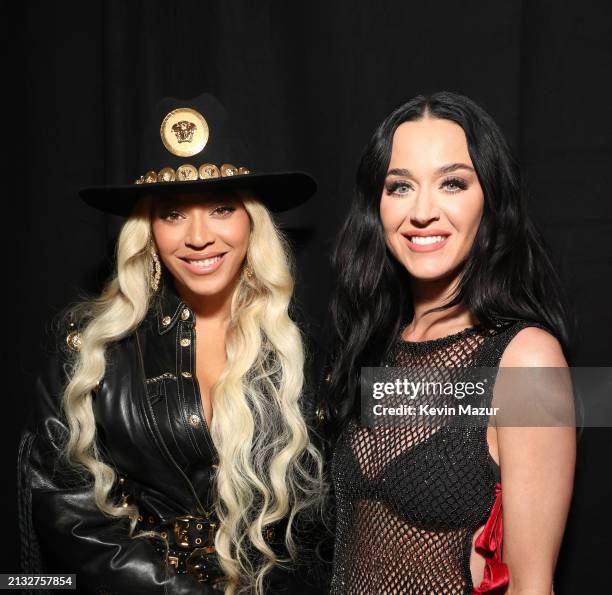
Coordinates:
445	169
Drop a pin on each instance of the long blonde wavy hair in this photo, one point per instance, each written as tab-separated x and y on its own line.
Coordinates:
268	468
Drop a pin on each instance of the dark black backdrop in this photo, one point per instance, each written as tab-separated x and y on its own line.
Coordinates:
307	83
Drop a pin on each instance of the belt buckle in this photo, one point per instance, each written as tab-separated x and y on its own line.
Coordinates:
204	566
195	531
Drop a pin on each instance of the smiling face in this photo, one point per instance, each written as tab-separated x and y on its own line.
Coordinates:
432	201
202	240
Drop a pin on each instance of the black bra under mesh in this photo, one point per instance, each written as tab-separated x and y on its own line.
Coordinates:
410	497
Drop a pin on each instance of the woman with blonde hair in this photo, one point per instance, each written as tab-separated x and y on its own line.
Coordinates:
168	450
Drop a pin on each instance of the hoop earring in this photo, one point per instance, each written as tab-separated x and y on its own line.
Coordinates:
155	273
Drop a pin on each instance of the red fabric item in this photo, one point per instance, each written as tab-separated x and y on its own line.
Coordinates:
489	544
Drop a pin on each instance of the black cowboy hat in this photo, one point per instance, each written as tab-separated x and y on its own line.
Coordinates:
191	146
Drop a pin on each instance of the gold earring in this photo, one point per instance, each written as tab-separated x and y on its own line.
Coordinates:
248	271
155	274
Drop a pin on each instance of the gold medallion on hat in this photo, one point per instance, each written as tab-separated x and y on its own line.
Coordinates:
167	174
150	177
209	170
227	169
186	172
184	132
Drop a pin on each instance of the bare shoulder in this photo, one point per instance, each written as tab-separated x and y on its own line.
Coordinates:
533	346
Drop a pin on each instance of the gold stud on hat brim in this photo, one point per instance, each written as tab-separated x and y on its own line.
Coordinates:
150	177
208	170
279	191
167	174
187	173
227	169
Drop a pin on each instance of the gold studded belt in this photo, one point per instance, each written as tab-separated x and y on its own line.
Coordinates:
195	554
191	545
191	541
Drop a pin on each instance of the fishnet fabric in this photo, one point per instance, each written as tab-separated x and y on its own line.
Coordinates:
410	496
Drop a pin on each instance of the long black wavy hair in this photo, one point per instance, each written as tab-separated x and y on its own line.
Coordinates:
506	277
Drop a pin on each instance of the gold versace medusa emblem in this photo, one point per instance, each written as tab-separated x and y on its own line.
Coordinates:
184	132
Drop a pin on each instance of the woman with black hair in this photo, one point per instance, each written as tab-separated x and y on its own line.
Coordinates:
439	267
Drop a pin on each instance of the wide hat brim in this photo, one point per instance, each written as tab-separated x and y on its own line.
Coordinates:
278	191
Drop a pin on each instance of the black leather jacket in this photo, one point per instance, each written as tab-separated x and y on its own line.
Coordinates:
151	428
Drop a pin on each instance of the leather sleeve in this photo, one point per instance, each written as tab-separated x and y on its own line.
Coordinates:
62	530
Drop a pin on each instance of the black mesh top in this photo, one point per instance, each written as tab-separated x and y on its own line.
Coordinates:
410	497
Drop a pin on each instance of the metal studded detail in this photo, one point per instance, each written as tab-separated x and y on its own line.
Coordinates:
186	374
186	172
194	420
208	170
228	169
74	340
166	320
150	177
185	342
185	314
167	174
160	377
